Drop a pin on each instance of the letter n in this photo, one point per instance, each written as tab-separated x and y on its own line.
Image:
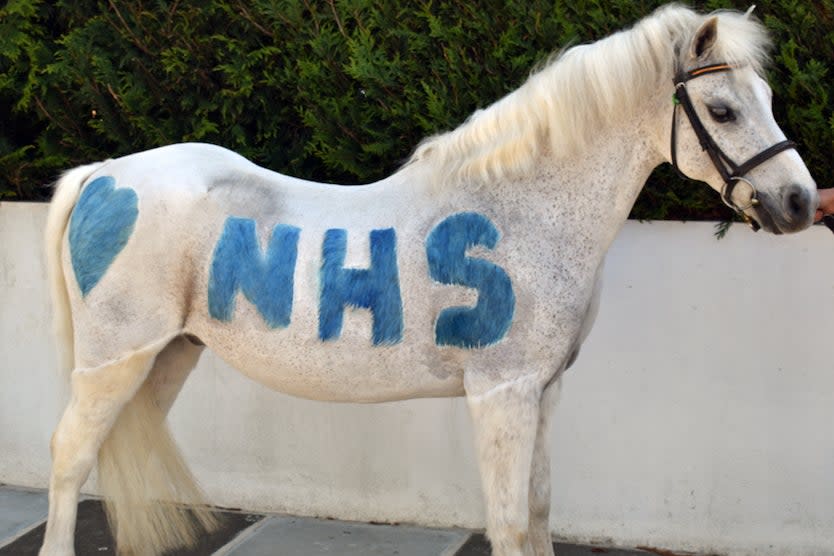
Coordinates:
265	280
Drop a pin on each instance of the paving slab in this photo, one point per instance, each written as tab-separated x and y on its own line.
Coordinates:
20	510
301	536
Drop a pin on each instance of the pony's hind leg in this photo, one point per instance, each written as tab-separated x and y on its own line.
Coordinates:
505	419
171	369
97	396
152	500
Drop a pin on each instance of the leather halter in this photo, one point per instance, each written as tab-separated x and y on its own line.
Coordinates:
731	172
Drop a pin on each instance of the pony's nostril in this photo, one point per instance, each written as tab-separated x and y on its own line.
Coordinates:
797	200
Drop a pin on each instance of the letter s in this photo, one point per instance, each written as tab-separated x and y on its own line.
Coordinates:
490	319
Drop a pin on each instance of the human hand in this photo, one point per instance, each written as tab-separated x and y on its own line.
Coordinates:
826	203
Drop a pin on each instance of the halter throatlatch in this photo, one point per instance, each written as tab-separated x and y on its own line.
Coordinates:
731	172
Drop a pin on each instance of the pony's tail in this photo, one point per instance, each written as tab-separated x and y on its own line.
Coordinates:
63	200
141	472
153	502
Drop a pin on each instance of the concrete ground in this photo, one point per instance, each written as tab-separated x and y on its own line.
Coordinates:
23	515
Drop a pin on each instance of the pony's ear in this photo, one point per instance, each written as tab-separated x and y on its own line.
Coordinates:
704	39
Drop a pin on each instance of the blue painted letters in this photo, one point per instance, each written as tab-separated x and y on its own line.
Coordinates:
265	281
376	288
490	319
102	222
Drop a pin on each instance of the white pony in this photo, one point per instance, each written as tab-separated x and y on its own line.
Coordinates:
473	271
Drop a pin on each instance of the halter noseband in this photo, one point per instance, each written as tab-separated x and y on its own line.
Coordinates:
731	172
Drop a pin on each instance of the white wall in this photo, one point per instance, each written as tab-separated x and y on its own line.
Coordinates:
699	415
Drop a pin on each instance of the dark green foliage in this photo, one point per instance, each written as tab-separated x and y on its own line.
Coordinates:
331	90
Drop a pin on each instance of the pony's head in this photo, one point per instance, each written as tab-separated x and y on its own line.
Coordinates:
724	133
564	110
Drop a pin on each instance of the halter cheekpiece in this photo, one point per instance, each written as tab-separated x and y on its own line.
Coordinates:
731	172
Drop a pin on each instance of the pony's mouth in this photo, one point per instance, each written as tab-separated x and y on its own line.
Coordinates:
786	210
771	218
763	218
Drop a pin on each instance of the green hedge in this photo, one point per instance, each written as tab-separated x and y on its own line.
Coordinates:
331	90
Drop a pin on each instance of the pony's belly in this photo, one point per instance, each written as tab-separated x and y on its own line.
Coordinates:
339	371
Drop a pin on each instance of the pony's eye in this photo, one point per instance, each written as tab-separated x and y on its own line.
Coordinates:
722	114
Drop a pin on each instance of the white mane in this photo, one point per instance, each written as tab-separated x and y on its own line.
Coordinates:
582	90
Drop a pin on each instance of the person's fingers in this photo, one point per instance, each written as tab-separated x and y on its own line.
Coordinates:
826	200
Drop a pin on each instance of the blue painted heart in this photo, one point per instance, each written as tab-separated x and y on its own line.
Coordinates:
101	224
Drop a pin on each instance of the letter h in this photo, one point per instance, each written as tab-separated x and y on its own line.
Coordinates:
376	288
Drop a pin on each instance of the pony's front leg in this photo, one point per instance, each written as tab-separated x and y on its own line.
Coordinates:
98	395
505	419
540	540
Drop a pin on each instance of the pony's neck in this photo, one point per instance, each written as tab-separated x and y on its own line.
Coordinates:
596	188
632	150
